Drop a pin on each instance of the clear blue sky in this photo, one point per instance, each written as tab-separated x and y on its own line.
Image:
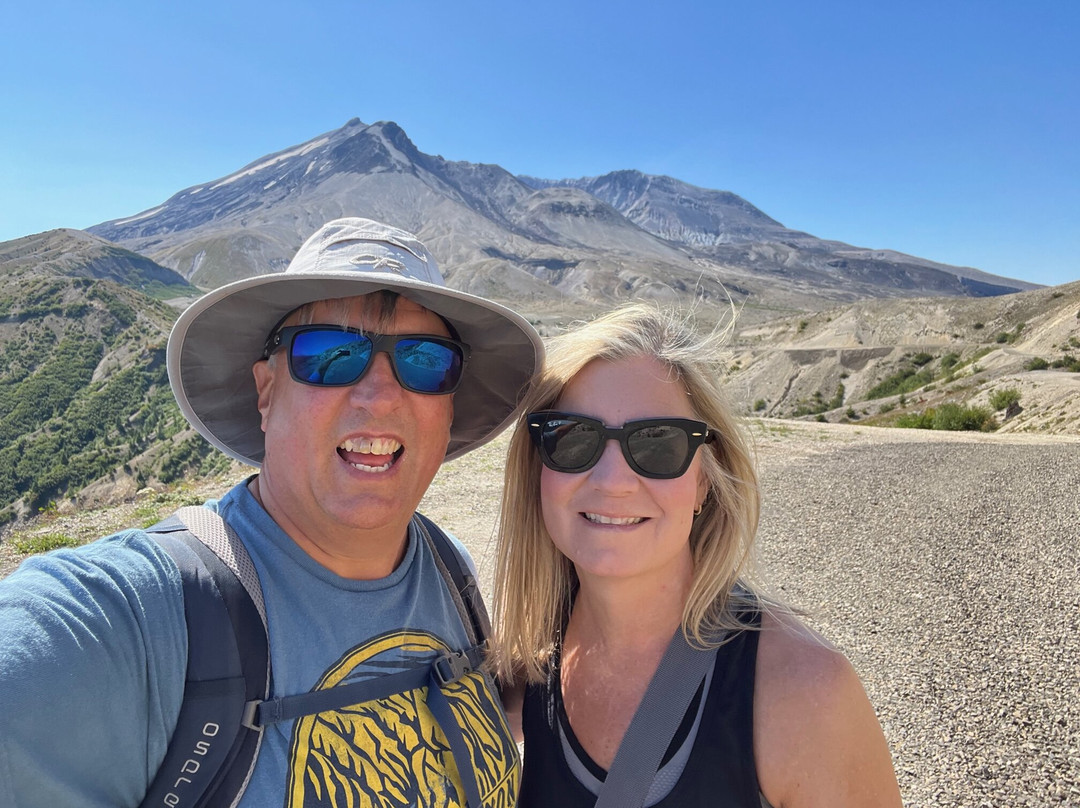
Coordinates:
948	130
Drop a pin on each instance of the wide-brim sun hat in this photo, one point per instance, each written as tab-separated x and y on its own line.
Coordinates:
221	335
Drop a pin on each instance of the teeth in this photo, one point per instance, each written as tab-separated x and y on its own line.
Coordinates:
362	467
380	447
375	446
599	519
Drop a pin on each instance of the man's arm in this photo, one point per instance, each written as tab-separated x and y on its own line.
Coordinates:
92	661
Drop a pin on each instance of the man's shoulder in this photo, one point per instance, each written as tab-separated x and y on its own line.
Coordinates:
128	566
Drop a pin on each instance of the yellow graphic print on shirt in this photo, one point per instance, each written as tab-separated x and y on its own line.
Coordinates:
391	753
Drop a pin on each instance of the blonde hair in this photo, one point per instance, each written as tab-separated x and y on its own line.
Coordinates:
534	582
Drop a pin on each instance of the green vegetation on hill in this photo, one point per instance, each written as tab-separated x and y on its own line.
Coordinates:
950	416
84	391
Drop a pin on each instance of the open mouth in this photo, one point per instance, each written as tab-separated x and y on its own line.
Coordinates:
600	519
374	455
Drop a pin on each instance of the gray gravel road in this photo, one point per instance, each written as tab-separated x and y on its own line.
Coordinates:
948	572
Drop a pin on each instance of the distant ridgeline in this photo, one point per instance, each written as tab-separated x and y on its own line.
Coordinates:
84	394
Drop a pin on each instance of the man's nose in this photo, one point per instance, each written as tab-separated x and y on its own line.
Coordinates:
378	385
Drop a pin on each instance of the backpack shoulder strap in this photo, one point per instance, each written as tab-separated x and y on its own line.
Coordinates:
678	676
211	754
459	578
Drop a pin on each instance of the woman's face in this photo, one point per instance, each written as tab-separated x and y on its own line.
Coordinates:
610	521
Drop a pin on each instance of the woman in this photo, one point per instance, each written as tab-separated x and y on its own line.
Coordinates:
629	512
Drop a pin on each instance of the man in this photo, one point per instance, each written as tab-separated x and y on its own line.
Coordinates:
348	378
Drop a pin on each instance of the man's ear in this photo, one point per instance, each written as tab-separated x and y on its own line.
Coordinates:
264	386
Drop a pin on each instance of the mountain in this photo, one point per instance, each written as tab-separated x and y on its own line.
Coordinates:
84	397
77	254
542	245
733	232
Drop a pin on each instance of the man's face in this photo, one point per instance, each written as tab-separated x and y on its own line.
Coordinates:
355	458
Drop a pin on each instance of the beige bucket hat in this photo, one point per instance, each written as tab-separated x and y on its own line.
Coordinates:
217	339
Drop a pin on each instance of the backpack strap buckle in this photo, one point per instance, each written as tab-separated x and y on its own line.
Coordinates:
251	714
450	667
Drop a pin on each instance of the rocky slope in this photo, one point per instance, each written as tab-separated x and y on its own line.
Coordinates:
832	361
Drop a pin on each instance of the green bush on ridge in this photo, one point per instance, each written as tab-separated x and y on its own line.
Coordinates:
1001	399
950	416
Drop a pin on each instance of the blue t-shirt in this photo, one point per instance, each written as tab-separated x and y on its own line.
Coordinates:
92	660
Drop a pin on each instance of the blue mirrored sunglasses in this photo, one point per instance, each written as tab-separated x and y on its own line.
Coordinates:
334	356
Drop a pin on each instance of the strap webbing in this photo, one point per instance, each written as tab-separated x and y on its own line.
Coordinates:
286	708
444	715
198	766
465	591
681	671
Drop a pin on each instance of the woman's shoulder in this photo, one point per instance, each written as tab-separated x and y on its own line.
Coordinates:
817	740
795	662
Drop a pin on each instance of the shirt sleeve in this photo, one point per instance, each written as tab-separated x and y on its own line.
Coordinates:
93	652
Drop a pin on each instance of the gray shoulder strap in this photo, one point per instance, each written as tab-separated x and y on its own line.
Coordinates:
212	531
681	671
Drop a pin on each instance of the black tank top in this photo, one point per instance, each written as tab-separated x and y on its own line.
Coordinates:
719	772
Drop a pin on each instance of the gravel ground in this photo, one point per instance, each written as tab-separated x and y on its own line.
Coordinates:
948	572
944	565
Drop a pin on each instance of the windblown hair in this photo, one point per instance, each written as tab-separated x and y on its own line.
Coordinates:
535	582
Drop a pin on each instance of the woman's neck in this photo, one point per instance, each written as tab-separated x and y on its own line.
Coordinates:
627	615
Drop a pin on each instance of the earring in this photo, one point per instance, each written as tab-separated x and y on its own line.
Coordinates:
697	510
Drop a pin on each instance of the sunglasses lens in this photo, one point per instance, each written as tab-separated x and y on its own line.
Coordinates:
660	450
329	357
426	366
569	444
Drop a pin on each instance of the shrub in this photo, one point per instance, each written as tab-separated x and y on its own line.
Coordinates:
1002	398
980	326
903	381
1036	363
921	358
916	420
759	405
1067	362
838	397
957	418
44	542
951	417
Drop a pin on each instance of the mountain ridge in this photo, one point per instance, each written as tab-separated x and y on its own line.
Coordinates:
617	236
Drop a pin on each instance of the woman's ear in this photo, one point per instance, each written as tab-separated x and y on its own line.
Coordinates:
702	490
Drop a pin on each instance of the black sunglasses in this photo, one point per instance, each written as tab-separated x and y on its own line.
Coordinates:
660	448
335	356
